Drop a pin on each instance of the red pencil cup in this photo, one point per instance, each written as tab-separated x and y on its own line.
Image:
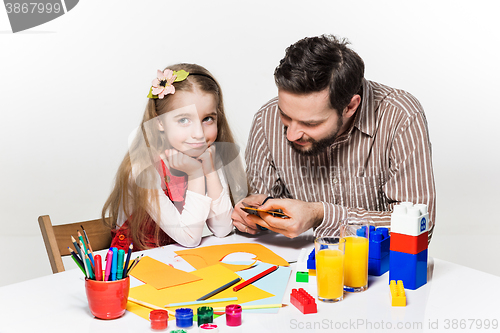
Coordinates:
107	299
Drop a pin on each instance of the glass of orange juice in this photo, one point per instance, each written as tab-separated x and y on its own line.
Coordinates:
355	232
330	268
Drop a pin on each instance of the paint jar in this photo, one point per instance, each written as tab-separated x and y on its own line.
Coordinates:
233	315
205	315
184	317
107	299
158	319
209	328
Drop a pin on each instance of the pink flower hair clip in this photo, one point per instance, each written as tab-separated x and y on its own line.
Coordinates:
163	84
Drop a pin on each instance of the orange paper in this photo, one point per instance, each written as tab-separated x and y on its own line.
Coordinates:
210	255
160	275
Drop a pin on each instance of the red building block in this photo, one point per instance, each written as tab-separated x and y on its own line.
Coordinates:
303	301
409	244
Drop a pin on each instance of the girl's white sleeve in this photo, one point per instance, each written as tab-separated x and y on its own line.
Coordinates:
219	220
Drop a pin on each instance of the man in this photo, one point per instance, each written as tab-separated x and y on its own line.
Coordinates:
333	145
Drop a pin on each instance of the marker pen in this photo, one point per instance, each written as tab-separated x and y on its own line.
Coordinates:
119	268
114	263
109	262
98	267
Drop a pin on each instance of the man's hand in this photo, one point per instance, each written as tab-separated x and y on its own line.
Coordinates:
303	216
242	220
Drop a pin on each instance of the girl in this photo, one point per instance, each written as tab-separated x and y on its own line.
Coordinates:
173	179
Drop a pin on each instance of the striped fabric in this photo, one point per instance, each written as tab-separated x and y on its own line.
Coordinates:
383	159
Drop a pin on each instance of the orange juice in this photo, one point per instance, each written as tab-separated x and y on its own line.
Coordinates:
329	272
356	262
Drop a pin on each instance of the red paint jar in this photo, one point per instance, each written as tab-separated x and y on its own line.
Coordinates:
159	319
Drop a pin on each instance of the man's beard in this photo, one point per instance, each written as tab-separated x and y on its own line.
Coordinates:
317	146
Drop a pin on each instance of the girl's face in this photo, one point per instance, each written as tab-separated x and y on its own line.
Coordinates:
192	125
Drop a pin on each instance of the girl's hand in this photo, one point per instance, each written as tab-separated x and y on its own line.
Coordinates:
207	160
182	162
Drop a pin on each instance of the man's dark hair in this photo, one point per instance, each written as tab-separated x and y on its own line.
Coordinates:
316	63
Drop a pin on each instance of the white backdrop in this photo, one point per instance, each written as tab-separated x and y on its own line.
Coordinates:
73	89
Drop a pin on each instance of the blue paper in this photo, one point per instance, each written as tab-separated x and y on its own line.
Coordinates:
274	283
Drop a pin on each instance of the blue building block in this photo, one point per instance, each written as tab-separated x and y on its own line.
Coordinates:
377	267
311	261
410	268
380	243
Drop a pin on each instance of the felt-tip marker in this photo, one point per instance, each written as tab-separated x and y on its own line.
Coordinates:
114	263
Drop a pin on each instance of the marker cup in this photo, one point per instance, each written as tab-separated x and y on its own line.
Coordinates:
356	233
107	299
329	253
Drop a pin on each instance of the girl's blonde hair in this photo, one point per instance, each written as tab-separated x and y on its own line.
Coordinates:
133	184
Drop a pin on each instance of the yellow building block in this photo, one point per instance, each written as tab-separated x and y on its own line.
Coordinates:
398	295
312	272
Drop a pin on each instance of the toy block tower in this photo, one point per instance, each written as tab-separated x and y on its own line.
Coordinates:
408	244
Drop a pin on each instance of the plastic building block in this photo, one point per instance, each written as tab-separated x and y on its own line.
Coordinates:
311	260
303	301
379	243
409	219
409	244
302	277
312	272
302	261
410	268
398	295
377	267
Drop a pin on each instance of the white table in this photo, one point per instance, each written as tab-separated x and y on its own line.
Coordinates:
454	296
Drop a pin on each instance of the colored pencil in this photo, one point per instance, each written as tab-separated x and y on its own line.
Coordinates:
253	307
255	278
77	260
74	255
89	265
151	306
218	290
136	261
228	299
125	267
77	247
88	243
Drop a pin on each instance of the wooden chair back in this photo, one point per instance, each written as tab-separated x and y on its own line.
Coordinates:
57	238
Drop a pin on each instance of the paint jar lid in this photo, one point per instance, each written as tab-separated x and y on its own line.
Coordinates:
209	328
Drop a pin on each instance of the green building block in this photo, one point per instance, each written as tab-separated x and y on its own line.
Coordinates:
302	277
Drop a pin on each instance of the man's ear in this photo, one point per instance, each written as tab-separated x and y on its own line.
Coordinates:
351	108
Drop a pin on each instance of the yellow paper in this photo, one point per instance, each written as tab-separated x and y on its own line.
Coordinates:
212	277
160	275
210	255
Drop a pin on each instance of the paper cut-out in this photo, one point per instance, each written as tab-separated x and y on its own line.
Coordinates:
160	275
210	255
